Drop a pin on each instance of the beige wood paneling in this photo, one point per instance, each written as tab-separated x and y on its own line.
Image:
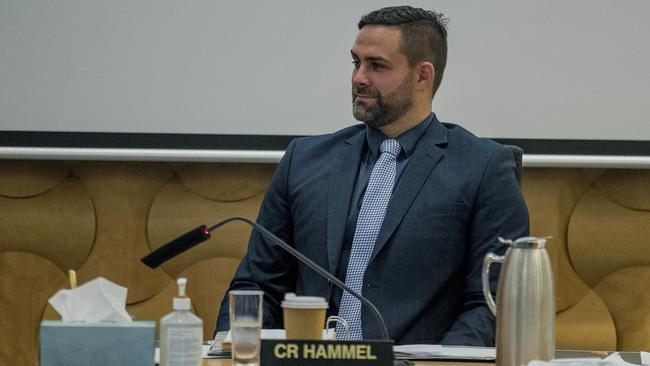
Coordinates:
26	281
26	178
551	195
155	307
176	210
122	193
208	281
226	182
628	188
586	325
627	296
605	237
58	225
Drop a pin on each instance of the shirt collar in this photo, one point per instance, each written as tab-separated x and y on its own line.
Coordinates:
408	139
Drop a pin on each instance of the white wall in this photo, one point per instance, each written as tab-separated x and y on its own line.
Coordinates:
575	69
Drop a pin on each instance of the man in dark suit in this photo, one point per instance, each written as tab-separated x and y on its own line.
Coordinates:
403	207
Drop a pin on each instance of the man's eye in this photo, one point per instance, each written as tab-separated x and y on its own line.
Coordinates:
378	66
355	63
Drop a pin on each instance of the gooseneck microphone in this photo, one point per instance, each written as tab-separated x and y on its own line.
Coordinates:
202	233
177	246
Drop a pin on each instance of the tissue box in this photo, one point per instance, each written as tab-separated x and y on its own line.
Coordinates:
105	344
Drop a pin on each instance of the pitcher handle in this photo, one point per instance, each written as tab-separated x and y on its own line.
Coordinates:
485	277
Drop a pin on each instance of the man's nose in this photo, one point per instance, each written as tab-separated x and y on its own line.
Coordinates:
360	77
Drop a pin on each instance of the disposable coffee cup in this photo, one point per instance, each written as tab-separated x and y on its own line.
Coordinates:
304	316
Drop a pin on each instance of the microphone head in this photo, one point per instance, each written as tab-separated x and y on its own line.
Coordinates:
176	247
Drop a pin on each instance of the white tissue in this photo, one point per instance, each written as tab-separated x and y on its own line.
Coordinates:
99	300
616	358
645	358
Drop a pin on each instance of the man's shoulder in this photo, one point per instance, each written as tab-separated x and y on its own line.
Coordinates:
326	142
463	140
340	135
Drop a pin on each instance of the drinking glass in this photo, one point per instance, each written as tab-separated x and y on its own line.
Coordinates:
245	326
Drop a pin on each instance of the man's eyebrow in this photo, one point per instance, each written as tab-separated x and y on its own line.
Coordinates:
370	58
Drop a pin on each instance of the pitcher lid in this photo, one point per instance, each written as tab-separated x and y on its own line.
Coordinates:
531	242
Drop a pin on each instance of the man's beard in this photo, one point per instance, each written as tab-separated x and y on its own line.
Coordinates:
386	109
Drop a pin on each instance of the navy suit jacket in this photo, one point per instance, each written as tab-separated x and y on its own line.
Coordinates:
456	196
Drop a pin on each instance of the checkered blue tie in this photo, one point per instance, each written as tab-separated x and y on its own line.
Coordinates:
371	217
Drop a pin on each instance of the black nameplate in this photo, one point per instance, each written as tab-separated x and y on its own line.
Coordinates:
331	353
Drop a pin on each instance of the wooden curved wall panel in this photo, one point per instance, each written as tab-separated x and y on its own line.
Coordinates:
599	223
626	189
226	182
612	233
210	279
626	294
203	194
551	196
586	325
122	193
176	210
100	218
157	306
20	178
27	282
608	238
58	224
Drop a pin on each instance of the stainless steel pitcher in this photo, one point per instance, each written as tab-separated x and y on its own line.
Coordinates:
525	314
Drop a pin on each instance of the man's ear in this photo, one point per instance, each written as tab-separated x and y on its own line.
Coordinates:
425	75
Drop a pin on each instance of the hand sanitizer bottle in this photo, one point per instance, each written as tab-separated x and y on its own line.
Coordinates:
181	333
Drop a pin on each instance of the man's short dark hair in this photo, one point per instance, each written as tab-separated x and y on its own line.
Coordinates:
424	34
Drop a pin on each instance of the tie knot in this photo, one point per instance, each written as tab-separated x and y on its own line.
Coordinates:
390	146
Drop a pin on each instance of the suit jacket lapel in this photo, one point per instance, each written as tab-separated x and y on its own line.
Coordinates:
343	174
425	157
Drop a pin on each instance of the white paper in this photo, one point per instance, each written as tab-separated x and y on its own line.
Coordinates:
417	350
433	351
591	361
277	334
99	300
613	359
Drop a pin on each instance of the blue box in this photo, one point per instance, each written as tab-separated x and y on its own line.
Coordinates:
97	344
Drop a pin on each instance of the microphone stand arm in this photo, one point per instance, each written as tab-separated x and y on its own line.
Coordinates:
269	235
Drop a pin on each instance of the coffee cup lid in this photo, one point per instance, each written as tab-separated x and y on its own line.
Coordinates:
303	302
